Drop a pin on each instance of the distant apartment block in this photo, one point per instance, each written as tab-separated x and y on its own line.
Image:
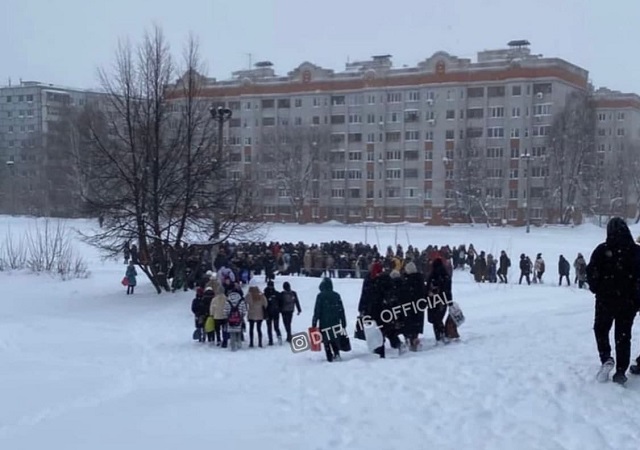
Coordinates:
394	131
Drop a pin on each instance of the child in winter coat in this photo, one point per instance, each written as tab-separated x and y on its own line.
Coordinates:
131	275
235	310
200	315
216	310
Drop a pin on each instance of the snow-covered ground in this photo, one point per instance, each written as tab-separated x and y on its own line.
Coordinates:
83	366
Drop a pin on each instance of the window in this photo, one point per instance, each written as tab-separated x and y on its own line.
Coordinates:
427	213
515	153
449	135
355	137
354	175
542	88
297	121
620	116
393	117
602	117
284	103
414	96
495	172
430	115
494	192
495	132
370	175
449	174
297	103
513	175
451	114
412	135
392	136
337	175
315	120
337	100
393	192
394	155
542	110
247	141
30	113
513	194
537	192
475	92
356	100
268	210
411	173
355	156
355	118
475	113
431	95
337	193
337	119
428	155
515	112
8	99
371	99
268	121
411	116
394	97
427	194
337	139
495	91
371	138
538	151
539	172
449	194
449	155
474	133
428	135
515	132
620	132
541	130
411	155
394	174
516	91
371	118
268	103
496	111
495	152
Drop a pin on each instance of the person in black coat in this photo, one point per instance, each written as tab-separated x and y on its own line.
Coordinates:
414	290
440	295
563	269
525	268
613	277
384	298
274	306
503	268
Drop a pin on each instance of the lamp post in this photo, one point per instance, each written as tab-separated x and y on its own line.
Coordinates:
219	115
11	166
527	157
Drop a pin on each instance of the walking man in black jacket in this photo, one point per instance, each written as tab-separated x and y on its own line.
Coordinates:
612	275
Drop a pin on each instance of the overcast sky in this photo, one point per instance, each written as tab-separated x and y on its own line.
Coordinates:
64	41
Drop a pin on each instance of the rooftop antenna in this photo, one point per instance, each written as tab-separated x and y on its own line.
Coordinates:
9	81
250	56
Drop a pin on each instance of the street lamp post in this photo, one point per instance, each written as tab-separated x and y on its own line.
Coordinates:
11	166
219	115
527	157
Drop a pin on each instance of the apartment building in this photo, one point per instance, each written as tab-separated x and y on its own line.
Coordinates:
34	176
395	131
618	144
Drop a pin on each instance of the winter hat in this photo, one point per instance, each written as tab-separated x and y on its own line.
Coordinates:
539	256
199	292
209	273
376	269
208	289
410	268
394	274
253	283
286	286
617	230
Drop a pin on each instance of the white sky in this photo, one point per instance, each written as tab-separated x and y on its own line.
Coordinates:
64	41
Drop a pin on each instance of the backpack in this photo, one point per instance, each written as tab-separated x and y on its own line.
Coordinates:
235	317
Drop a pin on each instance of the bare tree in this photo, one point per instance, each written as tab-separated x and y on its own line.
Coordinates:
572	162
469	181
157	176
294	154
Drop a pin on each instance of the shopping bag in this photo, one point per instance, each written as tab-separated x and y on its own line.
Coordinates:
374	336
343	343
359	330
456	314
125	281
450	329
197	334
315	339
209	325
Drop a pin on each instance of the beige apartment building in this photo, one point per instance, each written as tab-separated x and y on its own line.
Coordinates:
394	131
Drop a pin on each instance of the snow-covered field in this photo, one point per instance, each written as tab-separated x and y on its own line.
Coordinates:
83	366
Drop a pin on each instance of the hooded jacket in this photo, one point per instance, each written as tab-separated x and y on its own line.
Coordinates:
328	312
613	271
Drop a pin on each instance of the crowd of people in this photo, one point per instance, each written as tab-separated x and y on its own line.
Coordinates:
222	308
